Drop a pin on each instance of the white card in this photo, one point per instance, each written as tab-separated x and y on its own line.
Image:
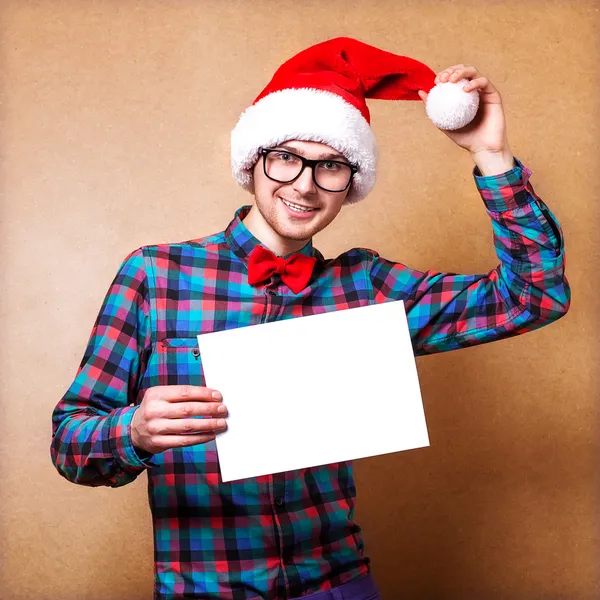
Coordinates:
315	390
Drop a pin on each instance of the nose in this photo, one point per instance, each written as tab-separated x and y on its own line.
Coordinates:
304	184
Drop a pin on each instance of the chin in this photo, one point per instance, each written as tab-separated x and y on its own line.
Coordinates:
296	234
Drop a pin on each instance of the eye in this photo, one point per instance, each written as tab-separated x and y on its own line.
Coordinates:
284	157
330	166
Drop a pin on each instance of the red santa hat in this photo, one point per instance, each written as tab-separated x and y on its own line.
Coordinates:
319	95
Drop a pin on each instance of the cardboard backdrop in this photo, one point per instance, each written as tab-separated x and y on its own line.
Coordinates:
115	121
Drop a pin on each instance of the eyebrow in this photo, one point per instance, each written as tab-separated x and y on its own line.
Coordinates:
326	156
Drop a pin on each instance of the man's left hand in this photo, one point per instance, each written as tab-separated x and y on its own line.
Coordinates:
484	137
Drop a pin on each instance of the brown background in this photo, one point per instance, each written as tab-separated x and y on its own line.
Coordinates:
115	121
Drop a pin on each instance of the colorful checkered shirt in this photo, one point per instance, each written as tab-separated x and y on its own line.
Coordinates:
288	534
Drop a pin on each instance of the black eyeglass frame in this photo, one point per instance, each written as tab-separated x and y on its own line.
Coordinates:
306	162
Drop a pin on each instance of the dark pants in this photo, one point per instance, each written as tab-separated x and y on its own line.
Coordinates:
361	589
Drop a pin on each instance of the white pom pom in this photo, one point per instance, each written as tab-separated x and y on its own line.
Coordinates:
450	107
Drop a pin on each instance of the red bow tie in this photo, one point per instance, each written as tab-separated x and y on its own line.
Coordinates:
295	271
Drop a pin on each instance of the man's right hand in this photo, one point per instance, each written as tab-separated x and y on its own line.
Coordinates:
164	418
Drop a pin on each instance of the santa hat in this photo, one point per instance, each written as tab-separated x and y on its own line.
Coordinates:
319	95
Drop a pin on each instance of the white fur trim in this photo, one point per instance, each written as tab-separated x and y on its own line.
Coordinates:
308	115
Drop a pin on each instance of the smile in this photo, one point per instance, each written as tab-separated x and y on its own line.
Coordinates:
297	207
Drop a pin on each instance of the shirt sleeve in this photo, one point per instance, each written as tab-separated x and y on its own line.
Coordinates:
91	425
527	290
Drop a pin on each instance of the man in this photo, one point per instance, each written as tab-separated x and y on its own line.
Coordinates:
304	148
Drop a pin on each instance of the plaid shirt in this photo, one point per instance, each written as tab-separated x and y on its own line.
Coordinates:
288	534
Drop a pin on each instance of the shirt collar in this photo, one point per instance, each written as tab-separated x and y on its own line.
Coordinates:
242	242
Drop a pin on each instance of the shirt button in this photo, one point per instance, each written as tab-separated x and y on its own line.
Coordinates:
279	501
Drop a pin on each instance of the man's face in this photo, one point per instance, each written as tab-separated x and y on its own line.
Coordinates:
273	199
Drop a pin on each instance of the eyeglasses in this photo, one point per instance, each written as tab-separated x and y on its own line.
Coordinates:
284	167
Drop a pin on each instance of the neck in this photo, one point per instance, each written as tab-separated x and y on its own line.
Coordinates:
270	239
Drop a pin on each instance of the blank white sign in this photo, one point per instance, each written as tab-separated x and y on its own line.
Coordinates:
315	390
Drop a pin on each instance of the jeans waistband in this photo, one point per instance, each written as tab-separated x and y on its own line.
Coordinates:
360	589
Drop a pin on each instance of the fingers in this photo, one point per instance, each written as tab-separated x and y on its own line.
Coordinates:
476	80
166	442
443	76
182	410
456	73
184	393
165	417
180	402
484	85
174	427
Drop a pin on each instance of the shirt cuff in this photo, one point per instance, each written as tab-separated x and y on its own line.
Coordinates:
120	440
505	191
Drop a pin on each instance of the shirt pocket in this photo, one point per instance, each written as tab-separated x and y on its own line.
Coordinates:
179	362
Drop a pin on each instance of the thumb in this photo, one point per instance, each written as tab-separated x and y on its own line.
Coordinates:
422	95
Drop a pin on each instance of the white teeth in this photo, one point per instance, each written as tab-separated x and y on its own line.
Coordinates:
296	207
